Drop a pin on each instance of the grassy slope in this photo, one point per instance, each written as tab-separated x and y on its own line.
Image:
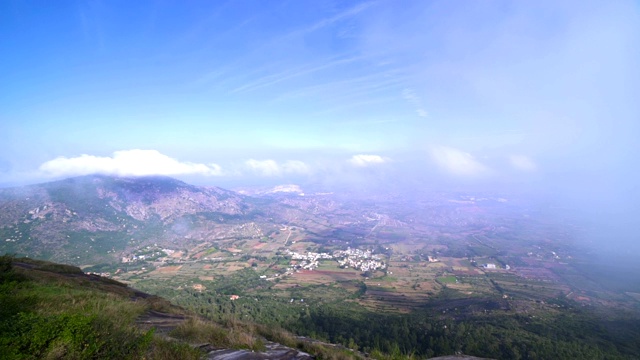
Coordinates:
56	311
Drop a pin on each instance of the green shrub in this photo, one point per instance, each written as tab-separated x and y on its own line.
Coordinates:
73	336
60	268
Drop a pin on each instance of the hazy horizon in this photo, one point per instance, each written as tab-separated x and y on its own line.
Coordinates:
537	98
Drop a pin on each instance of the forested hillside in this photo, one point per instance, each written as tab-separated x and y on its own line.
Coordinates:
557	329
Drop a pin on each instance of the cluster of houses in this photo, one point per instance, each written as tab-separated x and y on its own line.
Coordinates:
363	260
309	261
363	264
491	266
148	255
309	256
132	258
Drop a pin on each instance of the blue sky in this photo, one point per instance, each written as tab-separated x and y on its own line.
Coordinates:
539	93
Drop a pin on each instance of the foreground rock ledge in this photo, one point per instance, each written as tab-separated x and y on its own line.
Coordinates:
274	351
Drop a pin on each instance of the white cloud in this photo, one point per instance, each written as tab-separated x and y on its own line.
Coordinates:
133	162
523	163
272	168
456	161
366	160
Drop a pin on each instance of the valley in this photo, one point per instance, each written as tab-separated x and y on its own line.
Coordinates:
333	267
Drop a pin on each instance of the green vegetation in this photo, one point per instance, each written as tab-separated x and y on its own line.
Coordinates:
447	279
55	311
209	251
449	323
559	336
46	316
432	298
49	316
46	313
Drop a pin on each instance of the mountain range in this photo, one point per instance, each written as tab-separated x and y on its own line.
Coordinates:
95	218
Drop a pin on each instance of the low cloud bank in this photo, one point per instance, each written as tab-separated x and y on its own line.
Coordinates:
273	168
134	162
363	160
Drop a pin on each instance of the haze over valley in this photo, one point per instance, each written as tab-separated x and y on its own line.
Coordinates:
382	180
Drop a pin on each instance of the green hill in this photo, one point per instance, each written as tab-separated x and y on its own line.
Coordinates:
96	219
54	311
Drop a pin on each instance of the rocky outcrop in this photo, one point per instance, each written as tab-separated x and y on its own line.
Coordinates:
273	351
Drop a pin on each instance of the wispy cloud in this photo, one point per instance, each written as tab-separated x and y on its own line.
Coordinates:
351	89
413	99
457	162
290	74
362	160
356	104
276	42
330	20
134	162
273	168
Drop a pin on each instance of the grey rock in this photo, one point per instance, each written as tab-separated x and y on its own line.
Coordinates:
274	351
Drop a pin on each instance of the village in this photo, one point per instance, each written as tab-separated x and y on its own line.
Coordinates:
363	260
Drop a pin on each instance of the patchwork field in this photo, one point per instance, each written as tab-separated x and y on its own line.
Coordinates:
448	252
